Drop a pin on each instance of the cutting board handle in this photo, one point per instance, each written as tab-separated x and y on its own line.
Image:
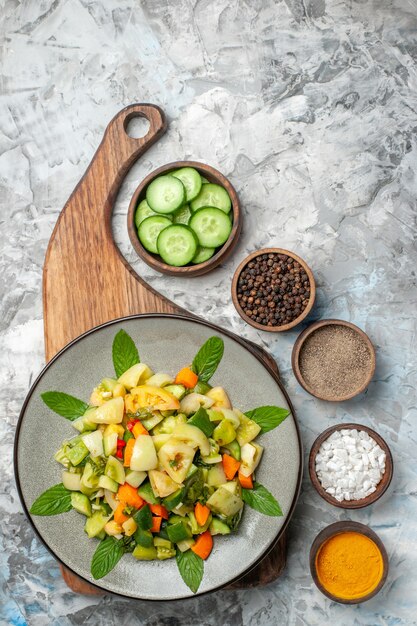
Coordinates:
125	149
86	280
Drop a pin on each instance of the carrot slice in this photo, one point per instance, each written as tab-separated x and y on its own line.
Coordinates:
128	452
245	481
187	378
230	466
119	516
201	512
139	429
203	545
156	524
129	495
159	510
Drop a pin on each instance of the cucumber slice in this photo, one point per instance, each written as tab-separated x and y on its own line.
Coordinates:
212	226
204	181
177	245
146	493
165	194
81	503
191	180
108	483
115	470
203	254
182	215
212	195
142	212
149	230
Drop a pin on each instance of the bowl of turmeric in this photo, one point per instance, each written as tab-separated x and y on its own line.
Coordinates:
348	562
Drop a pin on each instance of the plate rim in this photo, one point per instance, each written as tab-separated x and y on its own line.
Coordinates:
253	349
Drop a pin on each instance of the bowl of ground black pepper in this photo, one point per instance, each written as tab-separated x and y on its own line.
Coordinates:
273	289
333	360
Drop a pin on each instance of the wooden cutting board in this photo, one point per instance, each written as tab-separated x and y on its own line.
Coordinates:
87	281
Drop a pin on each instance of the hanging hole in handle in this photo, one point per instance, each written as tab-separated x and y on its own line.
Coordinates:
137	126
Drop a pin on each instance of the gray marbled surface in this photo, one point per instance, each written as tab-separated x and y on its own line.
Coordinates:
310	107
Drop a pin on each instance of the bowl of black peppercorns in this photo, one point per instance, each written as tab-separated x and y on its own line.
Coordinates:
273	289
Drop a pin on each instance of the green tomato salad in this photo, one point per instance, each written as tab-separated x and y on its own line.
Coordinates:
184	218
161	464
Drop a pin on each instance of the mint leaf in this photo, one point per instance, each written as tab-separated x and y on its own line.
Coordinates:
208	358
267	417
65	405
55	500
202	421
124	353
260	499
107	555
191	568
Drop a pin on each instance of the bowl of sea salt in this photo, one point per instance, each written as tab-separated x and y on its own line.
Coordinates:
350	465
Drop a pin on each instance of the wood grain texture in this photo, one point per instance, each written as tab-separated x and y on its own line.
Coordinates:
154	260
87	281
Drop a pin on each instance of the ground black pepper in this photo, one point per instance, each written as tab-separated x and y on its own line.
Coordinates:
273	289
335	361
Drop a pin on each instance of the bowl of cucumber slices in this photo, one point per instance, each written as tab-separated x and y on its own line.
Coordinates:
184	219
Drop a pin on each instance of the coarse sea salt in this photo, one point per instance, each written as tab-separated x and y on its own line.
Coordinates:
350	464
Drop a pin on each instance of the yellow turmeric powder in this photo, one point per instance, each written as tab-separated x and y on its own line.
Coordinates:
349	565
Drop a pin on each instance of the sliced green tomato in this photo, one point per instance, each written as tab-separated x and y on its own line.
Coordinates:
182	215
160	379
176	458
135	479
212	195
135	375
94	442
83	424
142	212
203	254
211	225
115	470
224	433
110	444
143	454
191	180
111	412
108	483
149	230
192	436
216	475
165	194
177	245
247	431
162	484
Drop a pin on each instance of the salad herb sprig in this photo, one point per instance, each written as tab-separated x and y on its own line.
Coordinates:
161	465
